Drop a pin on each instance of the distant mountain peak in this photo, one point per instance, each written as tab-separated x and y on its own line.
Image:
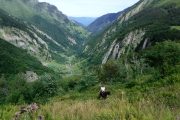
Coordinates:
102	22
48	6
85	21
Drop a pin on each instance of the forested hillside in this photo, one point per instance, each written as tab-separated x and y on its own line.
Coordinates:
14	60
103	22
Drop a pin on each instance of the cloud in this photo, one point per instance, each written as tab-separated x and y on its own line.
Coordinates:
92	8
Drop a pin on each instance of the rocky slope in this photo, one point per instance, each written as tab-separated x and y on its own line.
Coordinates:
140	26
60	34
24	36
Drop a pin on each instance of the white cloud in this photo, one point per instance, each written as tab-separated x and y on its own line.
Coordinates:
92	8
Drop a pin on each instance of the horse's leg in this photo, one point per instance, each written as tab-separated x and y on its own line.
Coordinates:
103	95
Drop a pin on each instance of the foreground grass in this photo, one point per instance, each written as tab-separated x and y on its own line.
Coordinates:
114	108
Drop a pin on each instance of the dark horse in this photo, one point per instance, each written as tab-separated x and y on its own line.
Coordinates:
103	94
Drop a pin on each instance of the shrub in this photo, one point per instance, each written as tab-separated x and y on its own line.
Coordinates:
163	56
44	88
108	72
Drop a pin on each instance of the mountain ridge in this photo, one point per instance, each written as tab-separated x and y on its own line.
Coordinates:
85	21
103	22
128	22
48	19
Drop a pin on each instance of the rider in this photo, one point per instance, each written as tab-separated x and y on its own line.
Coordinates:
102	91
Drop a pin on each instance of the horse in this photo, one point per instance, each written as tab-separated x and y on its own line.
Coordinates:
103	94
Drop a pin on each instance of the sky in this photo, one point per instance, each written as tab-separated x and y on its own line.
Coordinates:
90	8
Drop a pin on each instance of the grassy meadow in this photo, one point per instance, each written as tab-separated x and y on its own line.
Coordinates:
116	107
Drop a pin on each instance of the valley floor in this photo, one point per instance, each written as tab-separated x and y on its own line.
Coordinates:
70	67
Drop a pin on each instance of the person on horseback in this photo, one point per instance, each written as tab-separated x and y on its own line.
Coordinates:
103	93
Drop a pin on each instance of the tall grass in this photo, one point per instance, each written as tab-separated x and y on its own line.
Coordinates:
110	109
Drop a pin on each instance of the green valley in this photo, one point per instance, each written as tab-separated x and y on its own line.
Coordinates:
50	60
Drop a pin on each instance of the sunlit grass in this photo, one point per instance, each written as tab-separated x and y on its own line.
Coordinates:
175	27
110	109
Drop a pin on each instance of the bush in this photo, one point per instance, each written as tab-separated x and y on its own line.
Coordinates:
44	88
108	72
163	56
15	89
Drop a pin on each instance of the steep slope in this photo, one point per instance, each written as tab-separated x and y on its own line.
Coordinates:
142	25
66	35
24	36
14	60
102	22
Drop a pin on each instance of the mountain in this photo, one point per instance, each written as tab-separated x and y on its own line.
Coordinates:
41	30
32	36
136	57
140	26
14	60
61	35
103	22
85	21
25	36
